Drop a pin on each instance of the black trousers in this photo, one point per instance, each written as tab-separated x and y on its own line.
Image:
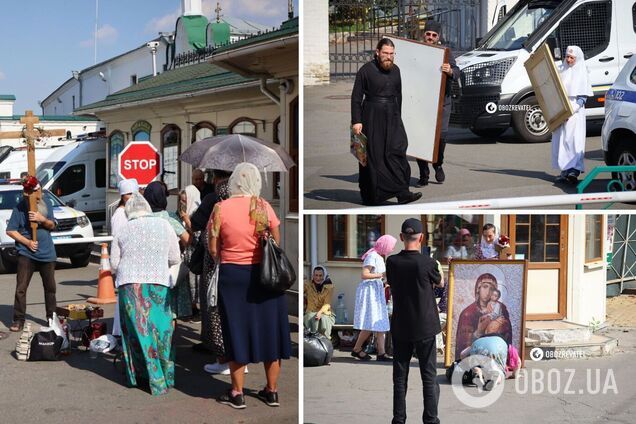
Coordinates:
423	165
426	353
26	268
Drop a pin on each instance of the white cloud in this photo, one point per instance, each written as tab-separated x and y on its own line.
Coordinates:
105	34
2	75
163	23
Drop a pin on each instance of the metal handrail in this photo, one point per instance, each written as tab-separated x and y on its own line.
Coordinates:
610	185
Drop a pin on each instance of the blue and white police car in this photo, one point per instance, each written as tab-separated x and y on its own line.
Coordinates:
619	129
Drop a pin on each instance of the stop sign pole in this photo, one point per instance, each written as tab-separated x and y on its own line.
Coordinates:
140	160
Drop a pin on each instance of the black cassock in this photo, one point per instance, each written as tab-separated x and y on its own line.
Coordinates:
376	102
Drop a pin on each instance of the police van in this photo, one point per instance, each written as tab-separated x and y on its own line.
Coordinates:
495	91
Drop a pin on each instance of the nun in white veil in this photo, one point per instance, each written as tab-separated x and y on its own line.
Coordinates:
568	141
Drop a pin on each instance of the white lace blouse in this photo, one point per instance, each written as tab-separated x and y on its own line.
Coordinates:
143	252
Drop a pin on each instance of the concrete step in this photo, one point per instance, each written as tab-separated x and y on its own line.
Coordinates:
557	332
597	345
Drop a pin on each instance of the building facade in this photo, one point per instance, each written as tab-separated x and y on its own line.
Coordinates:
566	254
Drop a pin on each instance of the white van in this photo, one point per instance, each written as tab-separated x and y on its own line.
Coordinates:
76	173
15	162
494	71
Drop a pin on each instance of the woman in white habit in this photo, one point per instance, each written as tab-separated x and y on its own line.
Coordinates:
568	141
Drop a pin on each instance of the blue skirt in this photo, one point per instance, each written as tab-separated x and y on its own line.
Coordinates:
254	321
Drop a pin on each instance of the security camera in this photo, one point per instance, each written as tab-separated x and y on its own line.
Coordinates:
152	45
102	76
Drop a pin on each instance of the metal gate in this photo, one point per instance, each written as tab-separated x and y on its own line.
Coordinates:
356	26
621	273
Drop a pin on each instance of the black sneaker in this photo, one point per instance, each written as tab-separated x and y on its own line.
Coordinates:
236	402
439	174
270	398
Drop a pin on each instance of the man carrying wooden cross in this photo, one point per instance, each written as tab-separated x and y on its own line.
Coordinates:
30	226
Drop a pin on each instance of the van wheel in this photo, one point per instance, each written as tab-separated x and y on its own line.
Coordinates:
625	155
7	266
530	124
80	261
488	132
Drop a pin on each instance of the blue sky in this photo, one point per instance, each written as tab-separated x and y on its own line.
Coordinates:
44	40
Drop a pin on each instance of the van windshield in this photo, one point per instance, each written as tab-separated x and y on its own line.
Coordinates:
47	170
517	28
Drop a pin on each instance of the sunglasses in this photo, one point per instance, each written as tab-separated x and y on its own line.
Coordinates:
431	34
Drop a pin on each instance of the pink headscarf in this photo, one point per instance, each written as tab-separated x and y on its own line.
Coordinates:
384	245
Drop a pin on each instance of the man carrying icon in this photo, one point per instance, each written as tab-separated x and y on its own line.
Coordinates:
432	35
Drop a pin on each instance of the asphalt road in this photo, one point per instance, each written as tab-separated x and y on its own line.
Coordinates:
583	391
476	168
81	389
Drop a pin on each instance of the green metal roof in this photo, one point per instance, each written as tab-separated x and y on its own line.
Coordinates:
287	28
188	79
7	97
196	28
52	118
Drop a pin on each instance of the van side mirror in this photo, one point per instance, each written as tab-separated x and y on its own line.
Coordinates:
71	203
478	40
552	44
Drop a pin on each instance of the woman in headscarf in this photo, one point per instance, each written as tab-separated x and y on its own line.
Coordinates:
254	321
157	197
189	201
117	222
318	292
370	314
568	141
141	255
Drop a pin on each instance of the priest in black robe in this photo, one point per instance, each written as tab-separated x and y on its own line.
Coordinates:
376	103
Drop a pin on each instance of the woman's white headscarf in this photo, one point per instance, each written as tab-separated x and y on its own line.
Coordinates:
137	206
575	78
193	199
245	180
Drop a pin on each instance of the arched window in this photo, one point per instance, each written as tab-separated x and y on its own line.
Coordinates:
170	142
115	146
203	130
141	131
244	126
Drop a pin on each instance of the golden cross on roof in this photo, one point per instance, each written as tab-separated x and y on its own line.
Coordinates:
218	11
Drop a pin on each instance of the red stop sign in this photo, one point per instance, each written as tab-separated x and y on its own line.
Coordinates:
140	160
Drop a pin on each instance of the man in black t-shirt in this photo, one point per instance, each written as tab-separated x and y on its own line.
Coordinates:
415	320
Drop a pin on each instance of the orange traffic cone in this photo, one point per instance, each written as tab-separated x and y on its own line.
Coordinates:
105	285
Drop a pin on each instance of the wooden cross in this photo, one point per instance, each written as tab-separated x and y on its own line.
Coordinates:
30	133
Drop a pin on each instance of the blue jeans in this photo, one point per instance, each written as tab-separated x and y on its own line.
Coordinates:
426	355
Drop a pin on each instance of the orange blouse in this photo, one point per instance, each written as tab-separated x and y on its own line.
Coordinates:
231	223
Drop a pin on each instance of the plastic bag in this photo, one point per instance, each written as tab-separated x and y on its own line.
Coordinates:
58	327
103	344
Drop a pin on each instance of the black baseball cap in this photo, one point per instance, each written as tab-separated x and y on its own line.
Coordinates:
412	226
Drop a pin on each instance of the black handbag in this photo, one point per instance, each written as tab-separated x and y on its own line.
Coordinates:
277	272
45	346
195	262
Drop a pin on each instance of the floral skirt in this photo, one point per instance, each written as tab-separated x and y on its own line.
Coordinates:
146	327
